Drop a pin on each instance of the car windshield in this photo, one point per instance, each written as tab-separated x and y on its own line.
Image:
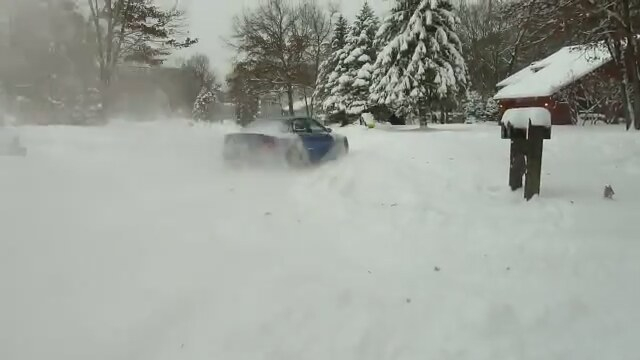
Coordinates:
315	126
304	124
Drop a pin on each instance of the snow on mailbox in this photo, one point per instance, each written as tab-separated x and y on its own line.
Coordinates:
527	128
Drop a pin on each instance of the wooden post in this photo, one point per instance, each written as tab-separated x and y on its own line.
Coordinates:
534	161
525	158
517	164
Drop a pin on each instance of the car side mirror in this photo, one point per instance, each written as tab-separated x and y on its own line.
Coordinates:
329	129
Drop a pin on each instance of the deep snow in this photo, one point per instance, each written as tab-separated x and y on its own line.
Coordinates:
134	242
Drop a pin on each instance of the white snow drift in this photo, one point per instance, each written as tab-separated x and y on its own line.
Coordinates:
134	242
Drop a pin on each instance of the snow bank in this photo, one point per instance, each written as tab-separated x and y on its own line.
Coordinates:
546	77
520	118
135	242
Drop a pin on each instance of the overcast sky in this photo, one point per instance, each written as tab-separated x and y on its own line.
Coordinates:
211	20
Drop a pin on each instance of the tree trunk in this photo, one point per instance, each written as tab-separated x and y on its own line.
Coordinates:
634	82
631	95
615	48
515	53
290	99
105	91
620	56
631	65
306	102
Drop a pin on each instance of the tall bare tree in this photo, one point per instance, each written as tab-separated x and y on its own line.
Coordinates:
320	23
274	38
137	30
489	47
202	85
199	67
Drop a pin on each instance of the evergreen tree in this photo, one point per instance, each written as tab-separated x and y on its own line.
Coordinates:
421	62
474	105
355	64
203	105
491	110
324	85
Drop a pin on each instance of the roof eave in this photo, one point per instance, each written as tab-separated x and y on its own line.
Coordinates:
520	97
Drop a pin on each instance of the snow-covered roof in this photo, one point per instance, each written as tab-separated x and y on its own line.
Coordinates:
547	76
514	78
519	117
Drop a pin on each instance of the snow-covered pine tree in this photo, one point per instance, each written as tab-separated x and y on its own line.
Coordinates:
355	63
474	106
203	103
421	61
491	110
332	103
323	83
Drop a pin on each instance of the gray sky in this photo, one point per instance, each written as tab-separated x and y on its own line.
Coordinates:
211	20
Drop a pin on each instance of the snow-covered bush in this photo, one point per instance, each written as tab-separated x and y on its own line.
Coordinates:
491	110
474	106
202	106
87	108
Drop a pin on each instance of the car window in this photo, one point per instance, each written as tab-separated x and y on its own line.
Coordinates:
299	125
316	127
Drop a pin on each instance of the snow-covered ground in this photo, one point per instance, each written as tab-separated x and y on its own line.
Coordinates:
134	242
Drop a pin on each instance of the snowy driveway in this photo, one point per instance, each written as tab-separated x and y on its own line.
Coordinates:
133	242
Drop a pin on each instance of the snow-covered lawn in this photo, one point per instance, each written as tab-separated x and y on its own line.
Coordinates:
134	242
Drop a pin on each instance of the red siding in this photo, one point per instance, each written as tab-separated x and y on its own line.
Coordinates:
560	112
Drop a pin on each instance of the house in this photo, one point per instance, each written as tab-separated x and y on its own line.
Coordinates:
572	70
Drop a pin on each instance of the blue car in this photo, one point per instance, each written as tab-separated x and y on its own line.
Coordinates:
298	141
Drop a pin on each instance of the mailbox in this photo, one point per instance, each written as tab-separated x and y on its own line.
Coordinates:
527	128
